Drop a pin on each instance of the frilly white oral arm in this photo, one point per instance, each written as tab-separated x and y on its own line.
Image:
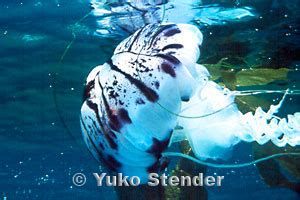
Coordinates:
235	126
265	126
213	124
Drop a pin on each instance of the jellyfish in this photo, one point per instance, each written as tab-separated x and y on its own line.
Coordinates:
152	93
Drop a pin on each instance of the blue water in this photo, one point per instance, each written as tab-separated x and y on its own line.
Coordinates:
41	147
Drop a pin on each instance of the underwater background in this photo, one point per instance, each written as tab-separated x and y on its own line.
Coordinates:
46	54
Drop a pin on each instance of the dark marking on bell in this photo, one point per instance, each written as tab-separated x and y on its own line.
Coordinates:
172	46
111	142
170	58
154	168
94	107
159	146
156	84
172	32
135	38
124	116
140	101
164	163
149	93
113	163
162	29
87	90
115	82
158	166
107	135
114	122
168	68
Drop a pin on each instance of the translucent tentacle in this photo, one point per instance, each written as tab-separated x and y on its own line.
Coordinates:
216	165
256	92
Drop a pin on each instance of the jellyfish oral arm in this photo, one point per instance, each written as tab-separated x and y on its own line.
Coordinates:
213	124
266	126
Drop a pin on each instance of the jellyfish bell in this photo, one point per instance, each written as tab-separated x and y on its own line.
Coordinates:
151	85
121	117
